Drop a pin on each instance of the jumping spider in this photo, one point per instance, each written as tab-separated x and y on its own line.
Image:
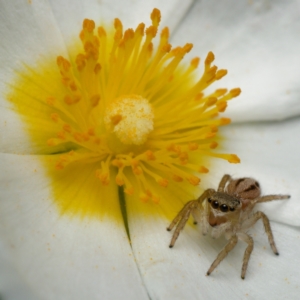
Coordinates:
229	211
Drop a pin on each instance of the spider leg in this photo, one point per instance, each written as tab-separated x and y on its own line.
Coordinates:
260	215
268	198
204	219
223	182
230	245
181	220
180	215
183	216
249	240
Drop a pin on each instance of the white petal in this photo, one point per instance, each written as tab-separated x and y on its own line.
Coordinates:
62	257
179	273
12	285
258	42
269	152
70	13
28	33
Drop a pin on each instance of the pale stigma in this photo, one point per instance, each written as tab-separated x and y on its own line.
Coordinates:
130	117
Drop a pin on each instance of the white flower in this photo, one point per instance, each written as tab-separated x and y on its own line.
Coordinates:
46	255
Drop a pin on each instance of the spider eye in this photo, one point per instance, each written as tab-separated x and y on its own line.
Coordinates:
215	204
209	200
224	208
232	208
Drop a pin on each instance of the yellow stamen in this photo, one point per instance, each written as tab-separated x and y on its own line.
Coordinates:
123	112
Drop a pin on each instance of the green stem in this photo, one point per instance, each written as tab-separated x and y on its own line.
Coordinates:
122	202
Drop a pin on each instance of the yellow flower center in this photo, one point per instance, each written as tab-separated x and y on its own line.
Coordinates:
125	113
130	118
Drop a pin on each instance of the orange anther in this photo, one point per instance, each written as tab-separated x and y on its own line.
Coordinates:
193	180
155	17
211	72
73	86
211	101
68	100
209	58
119	180
144	198
137	171
101	32
234	159
118	24
235	92
63	64
51	142
59	166
151	31
61	135
150	155
220	92
187	47
95	100
85	136
163	182
183	156
225	121
134	163
103	176
195	62
89	25
221	106
155	199
166	48
148	192
165	33
202	169
213	145
91	132
78	137
97	68
220	74
128	34
117	163
177	178
199	96
177	149
97	141
193	146
55	117
140	29
214	128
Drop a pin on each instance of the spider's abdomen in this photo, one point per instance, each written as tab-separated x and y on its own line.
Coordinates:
244	188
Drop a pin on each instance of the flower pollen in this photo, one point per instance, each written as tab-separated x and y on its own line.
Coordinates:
131	112
130	118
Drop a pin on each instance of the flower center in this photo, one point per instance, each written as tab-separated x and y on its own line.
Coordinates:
96	113
130	118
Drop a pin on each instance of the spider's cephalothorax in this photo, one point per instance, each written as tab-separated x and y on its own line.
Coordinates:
229	211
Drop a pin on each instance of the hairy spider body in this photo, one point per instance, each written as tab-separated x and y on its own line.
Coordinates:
228	211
